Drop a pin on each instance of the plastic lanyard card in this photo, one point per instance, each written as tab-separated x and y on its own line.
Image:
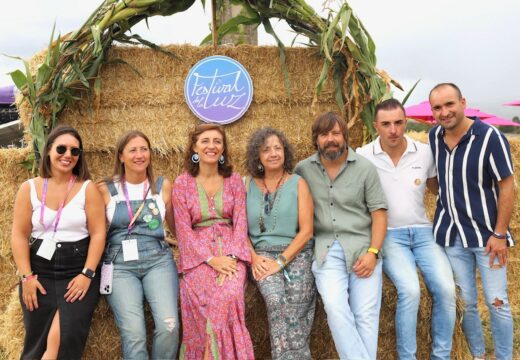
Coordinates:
130	251
46	249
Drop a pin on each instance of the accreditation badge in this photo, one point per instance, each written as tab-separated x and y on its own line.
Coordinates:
47	249
130	251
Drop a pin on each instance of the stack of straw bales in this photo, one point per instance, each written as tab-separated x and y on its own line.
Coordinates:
153	102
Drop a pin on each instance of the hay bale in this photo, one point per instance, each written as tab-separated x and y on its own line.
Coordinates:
155	105
154	102
171	135
168	74
11	176
11	337
7	280
515	216
104	339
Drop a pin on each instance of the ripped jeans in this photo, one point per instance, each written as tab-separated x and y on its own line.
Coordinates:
494	282
153	277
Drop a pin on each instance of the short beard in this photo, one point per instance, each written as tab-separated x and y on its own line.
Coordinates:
334	155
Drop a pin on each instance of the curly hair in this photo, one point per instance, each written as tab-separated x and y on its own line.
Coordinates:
254	146
192	168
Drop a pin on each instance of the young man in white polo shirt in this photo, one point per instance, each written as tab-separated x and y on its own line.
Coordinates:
406	168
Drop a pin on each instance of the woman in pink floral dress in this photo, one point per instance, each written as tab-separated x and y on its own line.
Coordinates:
211	228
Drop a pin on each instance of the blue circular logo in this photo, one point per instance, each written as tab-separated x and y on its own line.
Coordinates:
218	89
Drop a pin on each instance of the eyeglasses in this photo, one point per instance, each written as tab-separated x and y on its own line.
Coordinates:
62	149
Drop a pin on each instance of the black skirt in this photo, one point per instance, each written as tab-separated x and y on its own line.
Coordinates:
54	275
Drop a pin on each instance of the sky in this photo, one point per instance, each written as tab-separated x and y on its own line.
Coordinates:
473	43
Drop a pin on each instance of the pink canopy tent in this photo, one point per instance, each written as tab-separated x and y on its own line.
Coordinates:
513	103
498	121
423	112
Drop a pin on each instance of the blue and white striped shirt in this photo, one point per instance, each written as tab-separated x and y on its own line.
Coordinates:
468	184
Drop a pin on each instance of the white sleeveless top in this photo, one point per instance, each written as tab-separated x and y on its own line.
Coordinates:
73	222
135	192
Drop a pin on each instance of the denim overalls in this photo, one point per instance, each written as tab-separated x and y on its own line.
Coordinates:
153	276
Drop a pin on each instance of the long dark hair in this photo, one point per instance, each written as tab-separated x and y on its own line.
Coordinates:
119	167
81	168
193	168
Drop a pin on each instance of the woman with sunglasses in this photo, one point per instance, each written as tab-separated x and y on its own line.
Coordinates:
210	216
141	260
61	213
280	221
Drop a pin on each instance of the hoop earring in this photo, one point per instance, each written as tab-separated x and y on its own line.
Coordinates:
221	160
260	167
195	158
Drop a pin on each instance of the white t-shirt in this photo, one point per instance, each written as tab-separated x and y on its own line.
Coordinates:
73	221
135	192
404	185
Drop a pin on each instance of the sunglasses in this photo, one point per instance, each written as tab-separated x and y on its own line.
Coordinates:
62	149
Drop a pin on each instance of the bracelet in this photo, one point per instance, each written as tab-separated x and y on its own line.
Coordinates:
283	259
499	236
374	251
26	275
282	266
29	277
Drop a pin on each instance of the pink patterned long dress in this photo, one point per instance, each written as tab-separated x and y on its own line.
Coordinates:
213	315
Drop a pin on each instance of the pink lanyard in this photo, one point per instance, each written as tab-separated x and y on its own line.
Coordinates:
131	216
62	205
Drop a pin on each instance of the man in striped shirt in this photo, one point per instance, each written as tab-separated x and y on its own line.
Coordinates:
474	206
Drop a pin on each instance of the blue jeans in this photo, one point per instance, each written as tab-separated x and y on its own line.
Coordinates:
352	305
494	281
404	250
154	277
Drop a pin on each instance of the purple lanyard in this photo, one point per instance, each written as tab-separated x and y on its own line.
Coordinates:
131	216
62	205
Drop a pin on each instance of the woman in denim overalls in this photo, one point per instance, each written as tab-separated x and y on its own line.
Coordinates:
143	264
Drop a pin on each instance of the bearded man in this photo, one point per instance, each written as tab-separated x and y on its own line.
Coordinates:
349	228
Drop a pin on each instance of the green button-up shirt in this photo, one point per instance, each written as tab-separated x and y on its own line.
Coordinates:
342	207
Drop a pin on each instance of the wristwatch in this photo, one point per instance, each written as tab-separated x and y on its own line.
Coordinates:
374	251
88	273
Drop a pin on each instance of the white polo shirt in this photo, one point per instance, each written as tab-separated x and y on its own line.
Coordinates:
404	185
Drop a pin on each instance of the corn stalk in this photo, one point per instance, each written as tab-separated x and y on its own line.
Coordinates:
73	61
343	42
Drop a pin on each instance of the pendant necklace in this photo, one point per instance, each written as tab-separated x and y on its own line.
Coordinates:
268	204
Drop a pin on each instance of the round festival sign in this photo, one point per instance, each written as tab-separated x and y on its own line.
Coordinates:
218	89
